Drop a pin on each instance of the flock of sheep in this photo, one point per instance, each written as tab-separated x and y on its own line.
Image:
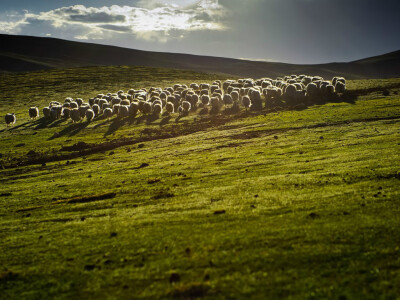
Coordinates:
209	98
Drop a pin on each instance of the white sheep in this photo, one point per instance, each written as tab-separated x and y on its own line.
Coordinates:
123	111
107	112
228	99
96	109
75	115
66	112
133	109
205	100
46	112
246	102
157	109
340	87
169	107
33	112
10	119
89	115
186	106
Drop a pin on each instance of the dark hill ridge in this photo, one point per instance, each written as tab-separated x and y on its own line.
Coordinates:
27	53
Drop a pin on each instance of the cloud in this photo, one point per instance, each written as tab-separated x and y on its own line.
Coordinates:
154	22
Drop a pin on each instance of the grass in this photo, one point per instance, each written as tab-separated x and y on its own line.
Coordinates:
287	204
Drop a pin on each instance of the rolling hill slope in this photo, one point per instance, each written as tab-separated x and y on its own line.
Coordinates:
26	53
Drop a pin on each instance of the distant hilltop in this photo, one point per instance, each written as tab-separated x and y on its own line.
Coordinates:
27	53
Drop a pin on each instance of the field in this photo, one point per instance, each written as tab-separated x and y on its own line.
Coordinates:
275	204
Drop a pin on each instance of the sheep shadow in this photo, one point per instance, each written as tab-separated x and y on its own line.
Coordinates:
71	130
151	118
115	125
56	123
165	121
43	123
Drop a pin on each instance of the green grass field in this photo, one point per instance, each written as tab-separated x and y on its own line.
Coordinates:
276	204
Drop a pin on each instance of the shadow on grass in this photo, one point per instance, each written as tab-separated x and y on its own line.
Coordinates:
165	121
71	130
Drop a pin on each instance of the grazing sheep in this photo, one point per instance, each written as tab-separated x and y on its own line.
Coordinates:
107	112
235	96
205	100
340	87
256	102
33	112
246	102
46	112
157	109
146	108
169	107
10	119
82	110
102	102
66	112
75	115
215	105
96	109
180	110
125	102
186	106
56	112
228	99
133	109
115	109
79	101
89	115
123	111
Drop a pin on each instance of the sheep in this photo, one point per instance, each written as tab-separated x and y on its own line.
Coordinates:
89	114
10	119
73	105
56	112
102	102
82	109
186	107
96	109
115	101
75	115
235	95
115	109
205	100
125	102
215	105
123	111
66	112
133	109
79	101
146	110
256	102
169	107
228	99
157	109
46	112
340	87
180	111
246	102
33	112
107	112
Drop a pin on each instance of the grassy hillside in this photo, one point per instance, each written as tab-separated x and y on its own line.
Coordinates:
26	53
300	204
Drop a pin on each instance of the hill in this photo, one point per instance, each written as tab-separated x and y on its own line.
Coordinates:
267	205
26	53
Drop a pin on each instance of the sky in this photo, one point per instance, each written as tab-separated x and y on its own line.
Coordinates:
291	31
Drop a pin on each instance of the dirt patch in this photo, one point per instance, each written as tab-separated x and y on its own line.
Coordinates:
86	199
